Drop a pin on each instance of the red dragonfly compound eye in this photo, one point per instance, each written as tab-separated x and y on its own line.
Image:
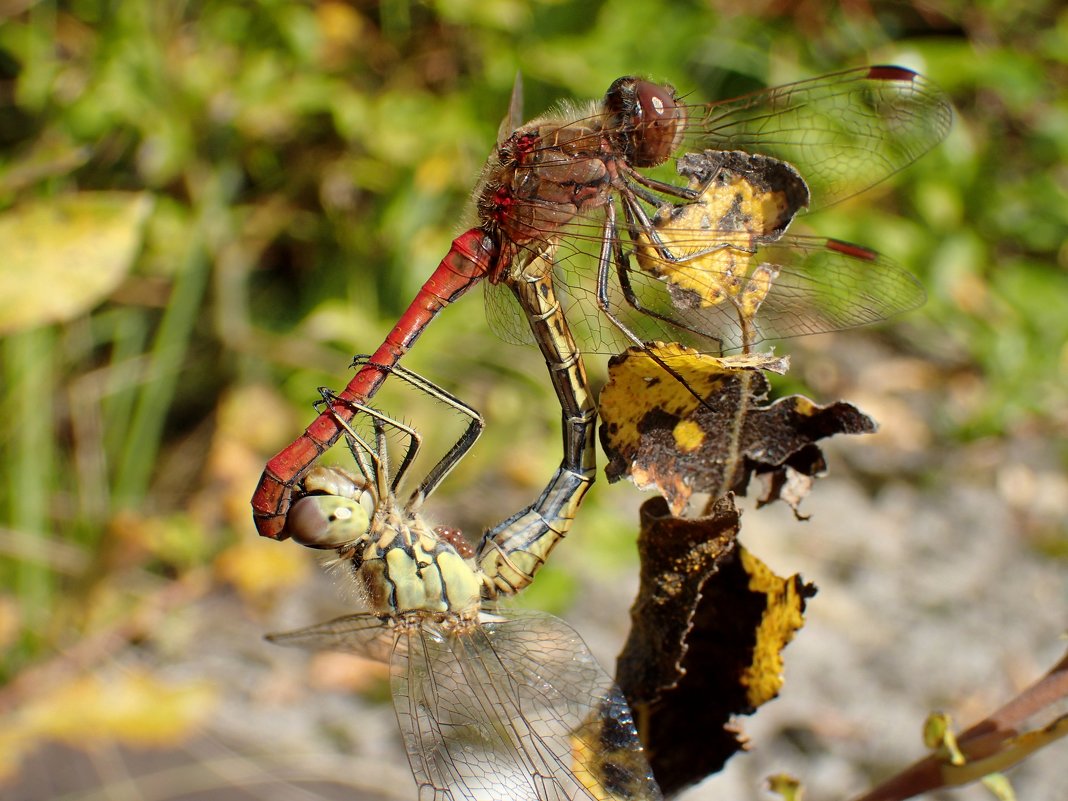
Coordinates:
650	117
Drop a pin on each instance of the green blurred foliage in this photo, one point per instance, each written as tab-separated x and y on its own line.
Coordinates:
310	164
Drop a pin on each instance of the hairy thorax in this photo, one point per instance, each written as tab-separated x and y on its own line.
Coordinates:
542	176
411	569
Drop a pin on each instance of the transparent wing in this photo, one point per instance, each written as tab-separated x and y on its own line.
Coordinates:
717	290
514	118
364	635
731	295
556	671
504	314
844	132
504	711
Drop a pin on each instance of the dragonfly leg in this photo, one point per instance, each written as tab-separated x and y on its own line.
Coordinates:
683	192
612	251
609	246
378	455
638	224
457	452
623	269
361	451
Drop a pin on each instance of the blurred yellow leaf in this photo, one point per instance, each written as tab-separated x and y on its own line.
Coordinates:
998	784
136	709
259	568
64	255
786	786
340	27
938	733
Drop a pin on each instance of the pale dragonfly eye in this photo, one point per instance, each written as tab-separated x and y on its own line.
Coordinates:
330	521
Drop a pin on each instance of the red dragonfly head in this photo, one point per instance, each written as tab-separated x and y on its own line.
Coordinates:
648	120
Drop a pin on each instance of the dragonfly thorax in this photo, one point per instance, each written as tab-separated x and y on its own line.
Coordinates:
411	569
541	176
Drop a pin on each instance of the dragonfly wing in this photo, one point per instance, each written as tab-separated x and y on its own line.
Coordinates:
514	118
462	724
364	635
844	132
827	285
574	262
740	292
504	315
567	698
714	290
483	719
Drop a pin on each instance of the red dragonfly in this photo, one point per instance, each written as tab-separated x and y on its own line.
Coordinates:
548	204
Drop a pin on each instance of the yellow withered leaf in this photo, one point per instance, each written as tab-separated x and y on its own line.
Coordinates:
746	200
719	270
706	632
703	425
783	615
64	255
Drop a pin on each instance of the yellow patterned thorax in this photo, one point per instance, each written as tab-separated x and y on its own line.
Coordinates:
413	570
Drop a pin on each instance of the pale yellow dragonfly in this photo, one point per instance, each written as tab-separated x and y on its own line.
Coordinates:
493	705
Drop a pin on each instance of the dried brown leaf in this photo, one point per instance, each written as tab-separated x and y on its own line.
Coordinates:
706	631
714	438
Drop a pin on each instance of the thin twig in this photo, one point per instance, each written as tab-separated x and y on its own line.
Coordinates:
981	741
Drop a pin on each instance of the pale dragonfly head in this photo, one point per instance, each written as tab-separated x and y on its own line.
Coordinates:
400	563
340	509
336	511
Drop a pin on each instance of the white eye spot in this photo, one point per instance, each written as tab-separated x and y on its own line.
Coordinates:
658	105
342	513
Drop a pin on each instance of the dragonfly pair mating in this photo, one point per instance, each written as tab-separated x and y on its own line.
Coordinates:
549	204
564	207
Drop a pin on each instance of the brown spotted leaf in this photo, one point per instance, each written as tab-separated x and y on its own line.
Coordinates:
712	437
706	631
677	557
722	270
747	200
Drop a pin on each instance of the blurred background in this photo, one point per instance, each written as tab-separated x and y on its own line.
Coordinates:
208	208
